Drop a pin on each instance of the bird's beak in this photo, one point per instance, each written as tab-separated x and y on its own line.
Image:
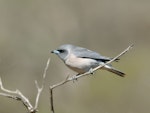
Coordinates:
55	51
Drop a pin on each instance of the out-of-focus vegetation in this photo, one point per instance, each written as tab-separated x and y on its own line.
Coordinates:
29	29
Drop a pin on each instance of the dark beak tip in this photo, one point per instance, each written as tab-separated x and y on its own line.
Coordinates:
52	51
55	52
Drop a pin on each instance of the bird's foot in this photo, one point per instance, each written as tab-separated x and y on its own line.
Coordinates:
75	78
91	71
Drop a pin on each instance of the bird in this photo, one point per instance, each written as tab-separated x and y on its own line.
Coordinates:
82	60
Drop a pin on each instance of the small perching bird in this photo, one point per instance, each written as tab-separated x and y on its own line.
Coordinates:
82	60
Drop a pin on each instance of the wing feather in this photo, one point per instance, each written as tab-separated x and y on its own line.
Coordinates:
85	53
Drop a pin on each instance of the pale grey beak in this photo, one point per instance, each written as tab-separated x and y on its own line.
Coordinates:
55	51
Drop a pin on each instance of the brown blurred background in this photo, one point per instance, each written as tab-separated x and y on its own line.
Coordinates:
29	29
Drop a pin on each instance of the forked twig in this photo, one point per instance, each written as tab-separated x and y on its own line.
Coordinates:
17	95
40	89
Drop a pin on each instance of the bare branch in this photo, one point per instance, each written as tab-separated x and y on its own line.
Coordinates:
46	68
68	79
38	94
26	102
5	90
9	96
17	95
51	100
42	86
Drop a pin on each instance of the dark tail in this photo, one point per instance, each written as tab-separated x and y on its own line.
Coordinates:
115	71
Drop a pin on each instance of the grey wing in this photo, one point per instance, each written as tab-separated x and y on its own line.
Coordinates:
85	53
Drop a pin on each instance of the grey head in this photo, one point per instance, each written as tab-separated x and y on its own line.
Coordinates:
63	51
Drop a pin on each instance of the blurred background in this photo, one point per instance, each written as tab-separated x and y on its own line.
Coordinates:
30	29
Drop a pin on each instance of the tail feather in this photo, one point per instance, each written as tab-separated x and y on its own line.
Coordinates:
115	71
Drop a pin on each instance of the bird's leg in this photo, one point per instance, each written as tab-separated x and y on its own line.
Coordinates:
91	71
74	77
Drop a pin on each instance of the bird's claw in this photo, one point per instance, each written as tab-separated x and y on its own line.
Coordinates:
74	78
91	71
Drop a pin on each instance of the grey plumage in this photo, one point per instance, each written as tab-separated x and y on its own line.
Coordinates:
81	59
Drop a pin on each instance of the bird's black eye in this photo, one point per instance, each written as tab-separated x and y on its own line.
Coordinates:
61	50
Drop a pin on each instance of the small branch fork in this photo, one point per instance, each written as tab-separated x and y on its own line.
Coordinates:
17	95
72	78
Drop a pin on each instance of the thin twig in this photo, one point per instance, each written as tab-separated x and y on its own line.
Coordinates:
51	100
10	96
17	95
40	89
68	79
5	90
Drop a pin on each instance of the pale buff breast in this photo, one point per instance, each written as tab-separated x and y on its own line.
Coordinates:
80	65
